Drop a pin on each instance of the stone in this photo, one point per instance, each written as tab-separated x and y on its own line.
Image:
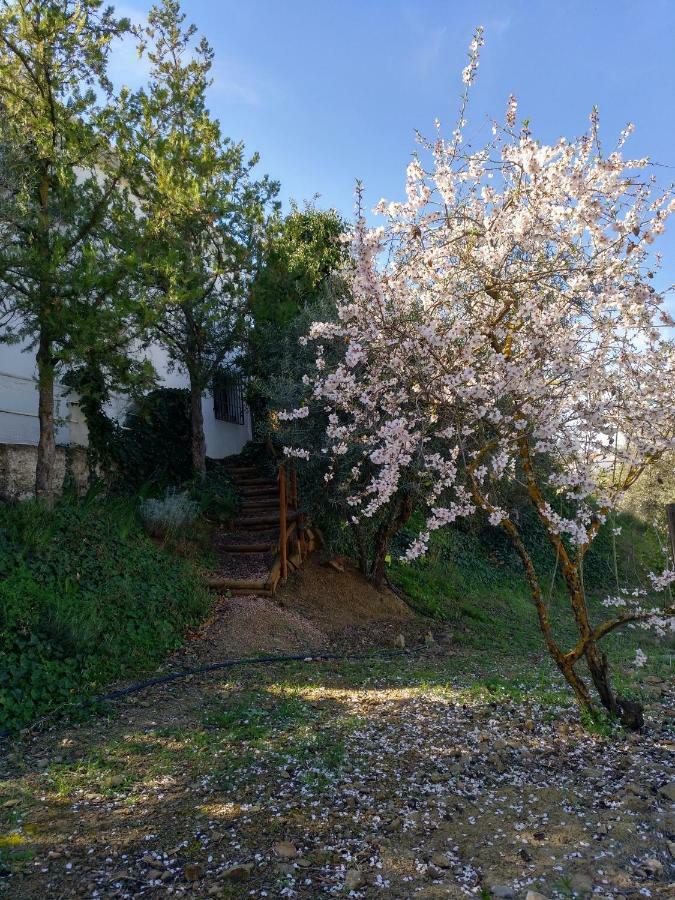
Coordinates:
155	875
335	565
285	850
354	880
535	895
668	791
652	867
117	780
502	890
192	872
8	804
399	641
581	884
440	860
239	872
671	848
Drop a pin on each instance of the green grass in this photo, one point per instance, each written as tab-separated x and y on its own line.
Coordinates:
472	581
85	597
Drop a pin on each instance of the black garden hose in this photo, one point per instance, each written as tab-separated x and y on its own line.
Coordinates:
229	664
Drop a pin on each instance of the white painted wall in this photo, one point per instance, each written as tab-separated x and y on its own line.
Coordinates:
19	405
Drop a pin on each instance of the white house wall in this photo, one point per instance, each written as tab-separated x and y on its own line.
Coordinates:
19	406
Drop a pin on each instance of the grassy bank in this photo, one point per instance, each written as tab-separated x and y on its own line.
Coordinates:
85	597
472	580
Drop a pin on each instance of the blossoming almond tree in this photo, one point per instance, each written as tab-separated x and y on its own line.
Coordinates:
502	324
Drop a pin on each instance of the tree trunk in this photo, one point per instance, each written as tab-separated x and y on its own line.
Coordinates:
385	534
197	429
46	449
599	671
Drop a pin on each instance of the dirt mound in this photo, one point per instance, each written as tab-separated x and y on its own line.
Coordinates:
337	600
247	626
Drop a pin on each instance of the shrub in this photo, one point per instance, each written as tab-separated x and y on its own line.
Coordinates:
169	515
84	598
154	443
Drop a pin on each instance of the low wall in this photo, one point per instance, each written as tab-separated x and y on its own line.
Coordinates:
17	470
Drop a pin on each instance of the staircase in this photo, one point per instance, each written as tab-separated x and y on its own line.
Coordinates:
268	538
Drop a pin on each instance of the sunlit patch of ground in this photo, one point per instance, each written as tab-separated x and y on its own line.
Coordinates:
422	777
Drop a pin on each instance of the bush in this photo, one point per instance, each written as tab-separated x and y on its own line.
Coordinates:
169	515
85	597
154	443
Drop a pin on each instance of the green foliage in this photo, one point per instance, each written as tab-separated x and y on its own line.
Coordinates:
84	597
202	208
300	252
473	579
154	444
295	284
66	261
215	494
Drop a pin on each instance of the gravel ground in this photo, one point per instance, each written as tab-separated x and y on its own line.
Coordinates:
324	780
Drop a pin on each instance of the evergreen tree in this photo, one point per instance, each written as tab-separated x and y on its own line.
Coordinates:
63	203
200	206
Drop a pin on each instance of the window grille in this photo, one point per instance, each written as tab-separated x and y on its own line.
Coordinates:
228	399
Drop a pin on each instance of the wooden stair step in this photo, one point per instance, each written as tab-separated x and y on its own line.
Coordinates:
259	504
255	482
262	521
259	492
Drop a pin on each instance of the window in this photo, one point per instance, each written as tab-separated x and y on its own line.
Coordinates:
228	398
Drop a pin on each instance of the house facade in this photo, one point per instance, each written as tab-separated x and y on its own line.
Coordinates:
227	420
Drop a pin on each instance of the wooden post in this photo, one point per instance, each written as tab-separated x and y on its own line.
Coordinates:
283	540
670	512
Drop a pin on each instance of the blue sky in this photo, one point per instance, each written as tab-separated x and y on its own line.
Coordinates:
330	91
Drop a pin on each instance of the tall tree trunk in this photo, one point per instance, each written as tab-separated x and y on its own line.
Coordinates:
197	429
46	450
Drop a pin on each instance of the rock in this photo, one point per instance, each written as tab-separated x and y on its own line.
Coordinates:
581	884
285	868
8	804
671	848
440	860
155	875
239	872
399	641
42	763
335	565
354	880
652	867
117	780
285	850
528	725
501	890
668	791
192	872
535	895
